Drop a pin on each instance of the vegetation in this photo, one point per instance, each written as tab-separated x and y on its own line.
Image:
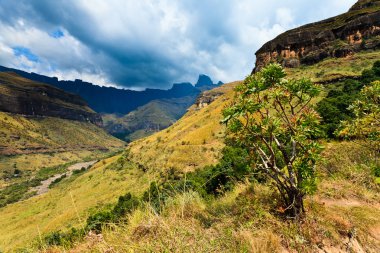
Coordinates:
334	108
272	118
194	141
69	203
17	191
206	196
147	119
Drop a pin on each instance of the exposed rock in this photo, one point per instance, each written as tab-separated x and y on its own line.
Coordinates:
341	36
22	96
207	98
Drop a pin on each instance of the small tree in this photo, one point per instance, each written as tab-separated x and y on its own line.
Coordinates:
273	118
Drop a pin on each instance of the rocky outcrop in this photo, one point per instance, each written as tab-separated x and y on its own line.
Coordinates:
340	36
207	98
22	96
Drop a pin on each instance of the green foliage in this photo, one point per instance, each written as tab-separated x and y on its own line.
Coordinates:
272	117
67	239
57	180
208	182
18	191
366	123
334	108
125	205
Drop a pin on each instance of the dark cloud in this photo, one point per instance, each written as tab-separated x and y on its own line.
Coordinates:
147	43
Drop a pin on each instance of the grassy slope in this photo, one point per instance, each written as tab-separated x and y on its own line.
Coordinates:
247	219
192	142
335	68
55	210
35	135
147	119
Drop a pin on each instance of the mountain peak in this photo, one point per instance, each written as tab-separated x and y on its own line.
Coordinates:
203	80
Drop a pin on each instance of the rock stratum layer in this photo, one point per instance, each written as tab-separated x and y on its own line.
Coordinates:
340	36
23	96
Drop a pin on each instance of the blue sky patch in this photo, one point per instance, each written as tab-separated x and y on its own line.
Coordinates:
57	34
23	51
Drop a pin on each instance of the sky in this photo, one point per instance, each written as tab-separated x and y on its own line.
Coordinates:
139	44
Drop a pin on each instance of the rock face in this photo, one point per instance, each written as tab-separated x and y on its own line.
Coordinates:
22	96
340	36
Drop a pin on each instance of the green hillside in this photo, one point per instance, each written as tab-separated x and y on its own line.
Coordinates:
147	119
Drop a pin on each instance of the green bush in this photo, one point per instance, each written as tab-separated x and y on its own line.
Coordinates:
334	107
208	182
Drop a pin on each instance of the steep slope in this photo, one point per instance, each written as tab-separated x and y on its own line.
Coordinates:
23	96
192	142
340	36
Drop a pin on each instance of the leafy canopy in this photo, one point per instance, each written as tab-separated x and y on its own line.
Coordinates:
273	118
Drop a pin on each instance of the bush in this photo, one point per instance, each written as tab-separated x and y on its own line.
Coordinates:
334	107
208	182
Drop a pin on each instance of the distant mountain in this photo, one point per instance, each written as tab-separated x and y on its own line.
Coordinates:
157	114
112	100
22	96
341	36
205	83
147	119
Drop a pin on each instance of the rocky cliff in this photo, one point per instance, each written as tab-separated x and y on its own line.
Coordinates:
340	36
23	96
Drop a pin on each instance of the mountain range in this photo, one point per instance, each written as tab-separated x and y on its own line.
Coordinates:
113	100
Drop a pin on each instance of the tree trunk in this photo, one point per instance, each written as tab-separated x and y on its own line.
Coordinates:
295	208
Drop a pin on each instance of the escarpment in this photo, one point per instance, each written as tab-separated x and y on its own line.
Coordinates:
22	96
340	36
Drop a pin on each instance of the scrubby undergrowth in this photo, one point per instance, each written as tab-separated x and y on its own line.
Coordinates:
344	215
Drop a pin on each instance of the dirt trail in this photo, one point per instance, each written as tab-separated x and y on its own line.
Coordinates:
44	187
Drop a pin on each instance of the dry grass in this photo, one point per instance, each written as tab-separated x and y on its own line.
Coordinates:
247	219
192	142
54	210
21	135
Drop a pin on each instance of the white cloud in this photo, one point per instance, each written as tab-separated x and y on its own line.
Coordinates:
150	43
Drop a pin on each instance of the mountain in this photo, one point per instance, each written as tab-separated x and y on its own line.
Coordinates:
108	99
205	83
22	96
341	36
147	119
157	114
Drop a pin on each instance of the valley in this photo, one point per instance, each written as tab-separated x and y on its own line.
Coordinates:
286	160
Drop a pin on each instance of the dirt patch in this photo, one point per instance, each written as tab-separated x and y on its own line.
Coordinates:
44	187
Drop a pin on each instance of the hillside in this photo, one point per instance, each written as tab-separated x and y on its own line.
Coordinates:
193	141
147	119
23	96
28	135
341	36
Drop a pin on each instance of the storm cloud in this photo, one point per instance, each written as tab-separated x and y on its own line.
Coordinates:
147	43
